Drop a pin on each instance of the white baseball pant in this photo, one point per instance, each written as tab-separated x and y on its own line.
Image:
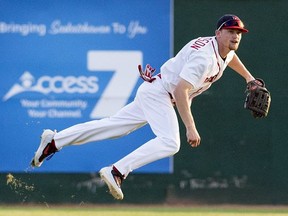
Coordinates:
151	105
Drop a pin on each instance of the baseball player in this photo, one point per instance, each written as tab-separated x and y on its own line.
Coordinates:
192	71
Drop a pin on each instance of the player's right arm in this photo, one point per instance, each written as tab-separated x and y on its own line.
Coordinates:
181	97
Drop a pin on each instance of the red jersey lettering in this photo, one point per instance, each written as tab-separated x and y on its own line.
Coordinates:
200	42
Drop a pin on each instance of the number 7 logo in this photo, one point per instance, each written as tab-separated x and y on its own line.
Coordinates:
122	83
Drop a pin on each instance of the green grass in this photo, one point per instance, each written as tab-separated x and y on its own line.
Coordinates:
141	211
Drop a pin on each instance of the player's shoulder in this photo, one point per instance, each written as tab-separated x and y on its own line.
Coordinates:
201	43
200	48
197	50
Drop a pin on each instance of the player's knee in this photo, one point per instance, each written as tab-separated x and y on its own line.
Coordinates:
173	145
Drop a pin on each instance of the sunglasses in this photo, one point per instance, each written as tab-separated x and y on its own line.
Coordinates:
231	23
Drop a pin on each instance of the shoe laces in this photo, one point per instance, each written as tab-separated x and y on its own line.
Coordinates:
48	151
118	177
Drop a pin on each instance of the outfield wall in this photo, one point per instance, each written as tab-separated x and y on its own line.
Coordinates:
240	160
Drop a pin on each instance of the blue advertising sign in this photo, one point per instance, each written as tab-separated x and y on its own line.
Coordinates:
67	62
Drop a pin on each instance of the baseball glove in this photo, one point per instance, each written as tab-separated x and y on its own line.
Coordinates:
258	98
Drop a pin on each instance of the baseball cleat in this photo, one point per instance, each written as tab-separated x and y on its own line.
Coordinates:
46	148
113	178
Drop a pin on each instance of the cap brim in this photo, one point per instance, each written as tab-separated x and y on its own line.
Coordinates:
236	27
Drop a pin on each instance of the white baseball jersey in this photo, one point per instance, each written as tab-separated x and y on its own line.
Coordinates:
198	62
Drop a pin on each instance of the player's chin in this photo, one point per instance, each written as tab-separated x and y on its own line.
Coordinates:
234	47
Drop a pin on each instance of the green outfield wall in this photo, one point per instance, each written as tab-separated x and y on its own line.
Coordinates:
241	160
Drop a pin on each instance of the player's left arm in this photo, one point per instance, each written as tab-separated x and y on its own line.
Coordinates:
240	68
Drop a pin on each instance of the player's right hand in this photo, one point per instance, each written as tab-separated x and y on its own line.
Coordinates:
193	137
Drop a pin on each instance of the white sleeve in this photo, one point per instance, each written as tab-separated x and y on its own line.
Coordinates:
195	69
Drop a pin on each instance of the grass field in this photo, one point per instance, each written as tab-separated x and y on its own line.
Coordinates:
82	209
141	211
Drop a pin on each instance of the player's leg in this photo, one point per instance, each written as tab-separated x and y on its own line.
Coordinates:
129	118
161	116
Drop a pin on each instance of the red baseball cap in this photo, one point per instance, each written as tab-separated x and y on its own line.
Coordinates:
230	21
